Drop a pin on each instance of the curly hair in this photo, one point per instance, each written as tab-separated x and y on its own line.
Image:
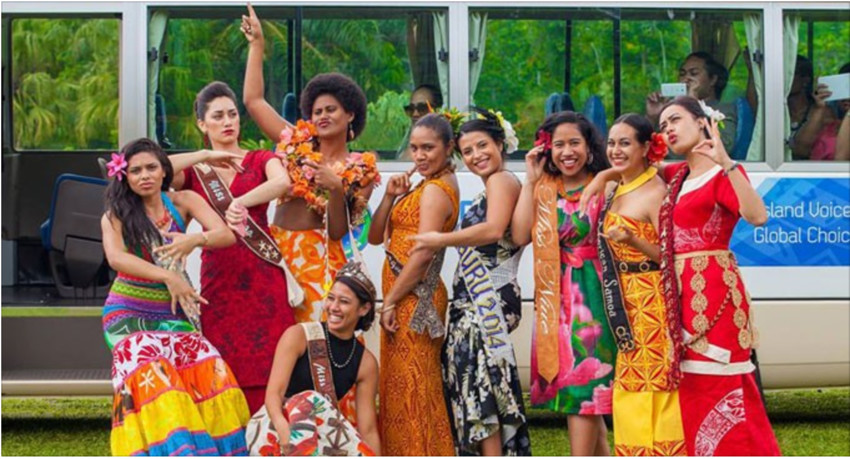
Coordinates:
597	159
343	89
123	203
364	323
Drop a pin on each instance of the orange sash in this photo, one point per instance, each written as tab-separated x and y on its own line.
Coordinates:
547	275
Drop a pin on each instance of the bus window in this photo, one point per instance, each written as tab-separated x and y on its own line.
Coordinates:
817	126
527	82
392	54
198	47
714	65
65	83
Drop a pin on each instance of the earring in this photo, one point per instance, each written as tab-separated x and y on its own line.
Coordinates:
590	158
350	132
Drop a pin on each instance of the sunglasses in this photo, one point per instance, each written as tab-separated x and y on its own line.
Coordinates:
421	107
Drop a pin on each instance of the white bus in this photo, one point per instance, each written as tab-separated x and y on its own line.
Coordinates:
82	78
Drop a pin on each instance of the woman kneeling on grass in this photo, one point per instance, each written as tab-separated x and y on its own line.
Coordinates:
301	401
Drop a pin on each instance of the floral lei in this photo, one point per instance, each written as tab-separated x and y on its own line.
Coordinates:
359	170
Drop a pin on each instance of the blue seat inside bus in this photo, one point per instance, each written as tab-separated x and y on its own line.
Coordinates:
72	236
744	132
595	112
289	108
558	103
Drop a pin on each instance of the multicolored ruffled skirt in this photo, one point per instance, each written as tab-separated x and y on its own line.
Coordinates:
174	395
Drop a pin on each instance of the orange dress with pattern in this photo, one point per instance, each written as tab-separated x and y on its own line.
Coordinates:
413	416
648	417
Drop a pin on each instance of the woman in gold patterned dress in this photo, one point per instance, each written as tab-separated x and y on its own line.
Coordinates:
646	398
413	415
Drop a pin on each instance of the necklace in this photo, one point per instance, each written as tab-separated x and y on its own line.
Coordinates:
162	222
644	177
573	195
331	351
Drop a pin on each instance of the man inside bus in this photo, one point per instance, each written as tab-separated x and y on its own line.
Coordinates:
705	79
424	98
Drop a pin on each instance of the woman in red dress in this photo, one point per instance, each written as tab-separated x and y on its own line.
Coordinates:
722	412
249	308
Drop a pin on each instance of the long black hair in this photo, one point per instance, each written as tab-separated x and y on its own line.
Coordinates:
597	159
489	125
127	206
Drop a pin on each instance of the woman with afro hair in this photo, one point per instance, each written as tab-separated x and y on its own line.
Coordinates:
336	105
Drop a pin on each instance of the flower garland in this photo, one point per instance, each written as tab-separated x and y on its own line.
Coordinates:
296	146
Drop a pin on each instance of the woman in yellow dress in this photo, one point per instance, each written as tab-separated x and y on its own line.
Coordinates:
647	416
413	416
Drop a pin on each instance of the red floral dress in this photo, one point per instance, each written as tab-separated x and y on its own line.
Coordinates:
249	308
722	411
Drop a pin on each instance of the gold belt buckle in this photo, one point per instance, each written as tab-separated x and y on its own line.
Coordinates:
624	267
644	266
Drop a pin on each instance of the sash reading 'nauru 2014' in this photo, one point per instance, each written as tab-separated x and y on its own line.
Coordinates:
320	365
612	291
257	240
485	300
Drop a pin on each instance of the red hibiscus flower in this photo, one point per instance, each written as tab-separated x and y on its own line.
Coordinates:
657	148
544	139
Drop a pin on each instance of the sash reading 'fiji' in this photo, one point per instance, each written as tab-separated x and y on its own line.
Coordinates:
612	291
320	366
257	240
482	290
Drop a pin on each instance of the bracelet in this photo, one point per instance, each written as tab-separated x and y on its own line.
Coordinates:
734	166
384	308
206	239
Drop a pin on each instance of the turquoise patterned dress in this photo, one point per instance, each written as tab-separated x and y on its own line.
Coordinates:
586	347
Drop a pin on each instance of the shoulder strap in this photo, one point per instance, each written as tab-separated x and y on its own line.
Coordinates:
174	213
612	290
320	365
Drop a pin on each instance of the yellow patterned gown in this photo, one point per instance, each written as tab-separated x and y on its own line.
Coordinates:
647	416
413	416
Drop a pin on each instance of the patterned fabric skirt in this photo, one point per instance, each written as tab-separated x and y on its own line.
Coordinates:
483	395
314	429
586	351
305	254
648	424
725	416
174	394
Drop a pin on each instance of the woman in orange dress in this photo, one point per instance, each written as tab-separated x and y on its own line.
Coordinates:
413	415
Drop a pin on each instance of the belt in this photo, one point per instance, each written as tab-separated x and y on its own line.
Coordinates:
637	267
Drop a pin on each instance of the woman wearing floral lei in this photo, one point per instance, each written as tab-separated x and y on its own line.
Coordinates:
645	397
573	349
480	375
330	185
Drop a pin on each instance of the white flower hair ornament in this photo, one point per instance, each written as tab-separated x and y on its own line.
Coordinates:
713	114
511	140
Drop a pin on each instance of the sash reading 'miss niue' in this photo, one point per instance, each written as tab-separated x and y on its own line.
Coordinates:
486	302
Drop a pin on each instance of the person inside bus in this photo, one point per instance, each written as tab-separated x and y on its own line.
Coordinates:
423	100
173	392
706	79
303	410
814	126
308	227
246	291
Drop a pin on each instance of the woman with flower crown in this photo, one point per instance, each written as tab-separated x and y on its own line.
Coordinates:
645	398
413	415
309	225
174	395
249	308
301	402
573	350
480	375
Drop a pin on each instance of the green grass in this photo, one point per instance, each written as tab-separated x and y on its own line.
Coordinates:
812	422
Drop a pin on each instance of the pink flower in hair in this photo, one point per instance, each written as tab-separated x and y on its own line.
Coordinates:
118	166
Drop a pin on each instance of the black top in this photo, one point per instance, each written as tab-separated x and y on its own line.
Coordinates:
344	379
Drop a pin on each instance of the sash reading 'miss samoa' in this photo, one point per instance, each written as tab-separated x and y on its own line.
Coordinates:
486	302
